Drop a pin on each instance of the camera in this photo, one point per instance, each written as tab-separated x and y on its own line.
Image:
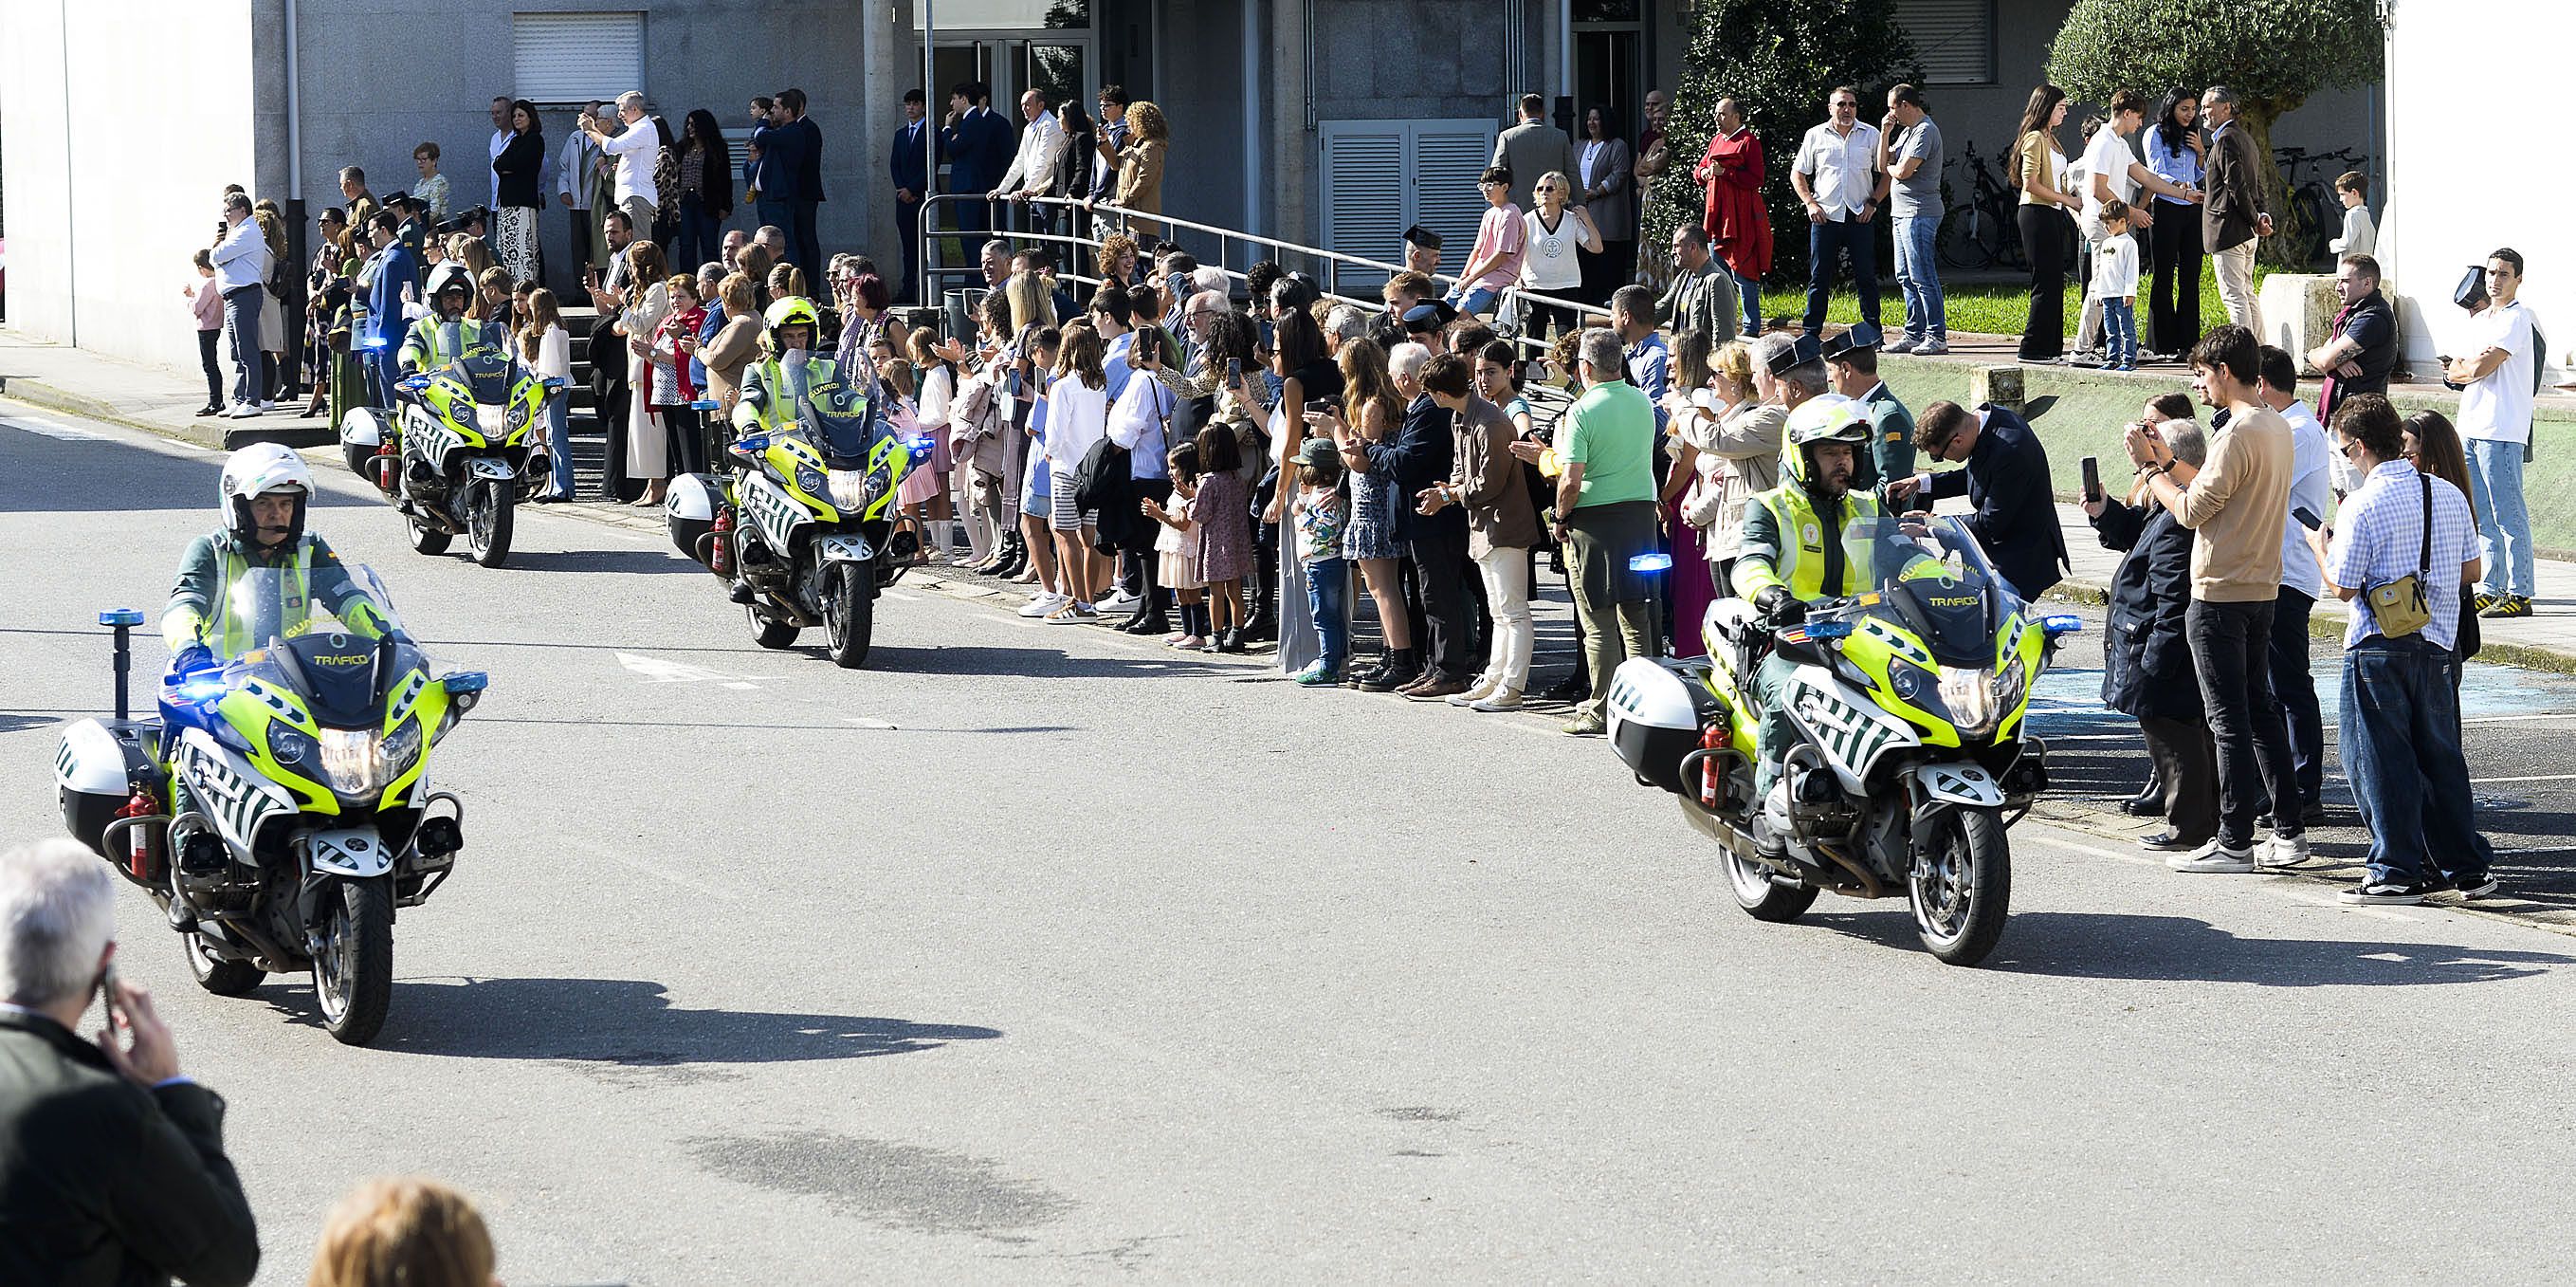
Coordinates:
464	221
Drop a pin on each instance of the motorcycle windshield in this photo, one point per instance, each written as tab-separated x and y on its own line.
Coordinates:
271	605
839	423
485	373
1935	581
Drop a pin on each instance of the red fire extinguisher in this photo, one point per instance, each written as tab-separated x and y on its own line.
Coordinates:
138	840
720	548
1712	782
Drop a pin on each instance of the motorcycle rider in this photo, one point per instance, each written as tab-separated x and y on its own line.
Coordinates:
1793	555
776	385
446	333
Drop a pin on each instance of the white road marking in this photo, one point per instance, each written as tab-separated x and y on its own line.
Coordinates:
655	670
2519	719
2536	777
901	597
43	428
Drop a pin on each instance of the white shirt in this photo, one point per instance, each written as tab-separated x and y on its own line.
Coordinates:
2311	488
2107	158
500	140
1841	168
2115	268
1548	261
2359	237
2497	408
1042	147
242	259
554	354
637	151
1077	419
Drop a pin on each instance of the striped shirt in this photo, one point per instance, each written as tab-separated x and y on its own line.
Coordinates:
2382	539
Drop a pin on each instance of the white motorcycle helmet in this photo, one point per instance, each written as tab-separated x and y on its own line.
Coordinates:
259	470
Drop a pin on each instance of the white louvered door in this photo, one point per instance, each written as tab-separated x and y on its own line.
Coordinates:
571	58
1382	177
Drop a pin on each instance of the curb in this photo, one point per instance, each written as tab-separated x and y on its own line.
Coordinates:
207	434
2327	625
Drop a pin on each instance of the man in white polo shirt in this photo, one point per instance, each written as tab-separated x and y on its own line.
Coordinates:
1838	177
2112	172
637	147
2495	422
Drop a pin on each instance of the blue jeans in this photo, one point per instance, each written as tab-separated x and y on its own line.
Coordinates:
1328	595
701	237
250	366
2120	332
2401	749
1918	278
809	247
1828	242
559	444
1479	301
1749	289
2504	526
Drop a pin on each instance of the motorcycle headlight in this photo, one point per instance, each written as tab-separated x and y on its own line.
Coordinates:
1969	693
518	416
810	481
289	745
2009	687
856	489
1908	680
402	749
354	760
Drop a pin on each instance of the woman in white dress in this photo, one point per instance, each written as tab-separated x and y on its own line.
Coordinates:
648	301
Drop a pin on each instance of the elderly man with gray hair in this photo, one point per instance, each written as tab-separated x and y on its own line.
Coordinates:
112	1166
637	145
1604	463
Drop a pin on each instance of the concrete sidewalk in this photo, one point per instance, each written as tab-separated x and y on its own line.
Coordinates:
164	401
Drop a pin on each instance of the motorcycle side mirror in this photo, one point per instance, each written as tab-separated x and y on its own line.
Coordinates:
2062	624
1651	561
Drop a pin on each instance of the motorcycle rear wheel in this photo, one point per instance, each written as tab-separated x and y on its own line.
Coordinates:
1961	892
426	539
353	972
215	974
1763	895
489	516
852	618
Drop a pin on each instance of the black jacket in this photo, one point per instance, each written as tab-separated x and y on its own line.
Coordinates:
105	1182
1422	453
519	168
2006	478
2146	661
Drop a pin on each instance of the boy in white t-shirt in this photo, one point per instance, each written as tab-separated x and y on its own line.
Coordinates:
2115	288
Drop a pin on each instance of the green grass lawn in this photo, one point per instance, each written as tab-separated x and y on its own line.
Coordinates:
1989	307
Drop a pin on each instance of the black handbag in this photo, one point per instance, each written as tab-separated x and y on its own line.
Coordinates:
2472	290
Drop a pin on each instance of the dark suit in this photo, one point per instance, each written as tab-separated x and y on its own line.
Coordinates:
2235	190
1423	452
1891	437
910	169
105	1182
979	147
2006	478
809	195
2147	671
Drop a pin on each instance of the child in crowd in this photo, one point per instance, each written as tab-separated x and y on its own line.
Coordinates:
208	304
1321	514
1177	547
2115	285
1224	533
2360	235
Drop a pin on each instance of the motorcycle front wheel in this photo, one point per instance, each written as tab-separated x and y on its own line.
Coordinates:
1961	885
770	634
215	974
353	968
489	515
852	617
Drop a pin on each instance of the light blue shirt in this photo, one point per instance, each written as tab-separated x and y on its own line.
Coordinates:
2180	167
1650	364
2382	539
1113	363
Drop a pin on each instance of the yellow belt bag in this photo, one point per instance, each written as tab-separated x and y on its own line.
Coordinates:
2399	606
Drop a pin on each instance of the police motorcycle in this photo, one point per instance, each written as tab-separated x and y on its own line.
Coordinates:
278	807
459	457
1910	758
803	524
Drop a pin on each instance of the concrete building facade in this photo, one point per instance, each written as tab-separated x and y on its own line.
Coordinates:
1323	122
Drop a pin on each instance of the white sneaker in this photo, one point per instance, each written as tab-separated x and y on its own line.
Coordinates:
2288	852
1901	344
268	404
1043	604
1502	699
242	411
1074	614
1485	686
1931	348
1120	602
2214	857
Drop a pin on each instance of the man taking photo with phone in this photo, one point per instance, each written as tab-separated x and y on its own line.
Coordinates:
112	1166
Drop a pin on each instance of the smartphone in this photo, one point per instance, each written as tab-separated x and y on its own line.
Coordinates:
1319	405
2307	517
107	997
1233	373
2092	478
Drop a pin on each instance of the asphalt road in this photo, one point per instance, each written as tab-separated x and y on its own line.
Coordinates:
1035	952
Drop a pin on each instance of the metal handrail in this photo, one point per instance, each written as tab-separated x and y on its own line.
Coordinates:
1331	259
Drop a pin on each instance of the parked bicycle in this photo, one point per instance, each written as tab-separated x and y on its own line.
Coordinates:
2313	199
1981	232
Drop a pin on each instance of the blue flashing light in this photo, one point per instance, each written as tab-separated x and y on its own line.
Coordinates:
752	445
918	446
198	690
121	617
466	681
1651	561
375	342
703	404
2062	624
1829	629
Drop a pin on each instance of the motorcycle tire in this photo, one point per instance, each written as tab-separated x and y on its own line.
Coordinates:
353	973
215	974
853	616
490	511
358	456
771	634
426	539
1962	892
1763	895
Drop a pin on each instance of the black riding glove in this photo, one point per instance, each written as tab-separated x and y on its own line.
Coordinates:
1780	607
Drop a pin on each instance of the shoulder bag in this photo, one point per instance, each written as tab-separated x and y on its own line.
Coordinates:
2399	606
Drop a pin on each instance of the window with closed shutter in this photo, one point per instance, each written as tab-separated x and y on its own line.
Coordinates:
1382	177
572	58
1955	39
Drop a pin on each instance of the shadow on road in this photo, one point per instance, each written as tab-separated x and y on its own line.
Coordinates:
1033	663
616	1022
2105	945
603	561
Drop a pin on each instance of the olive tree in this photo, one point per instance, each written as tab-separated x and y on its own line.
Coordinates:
2273	53
1778	62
